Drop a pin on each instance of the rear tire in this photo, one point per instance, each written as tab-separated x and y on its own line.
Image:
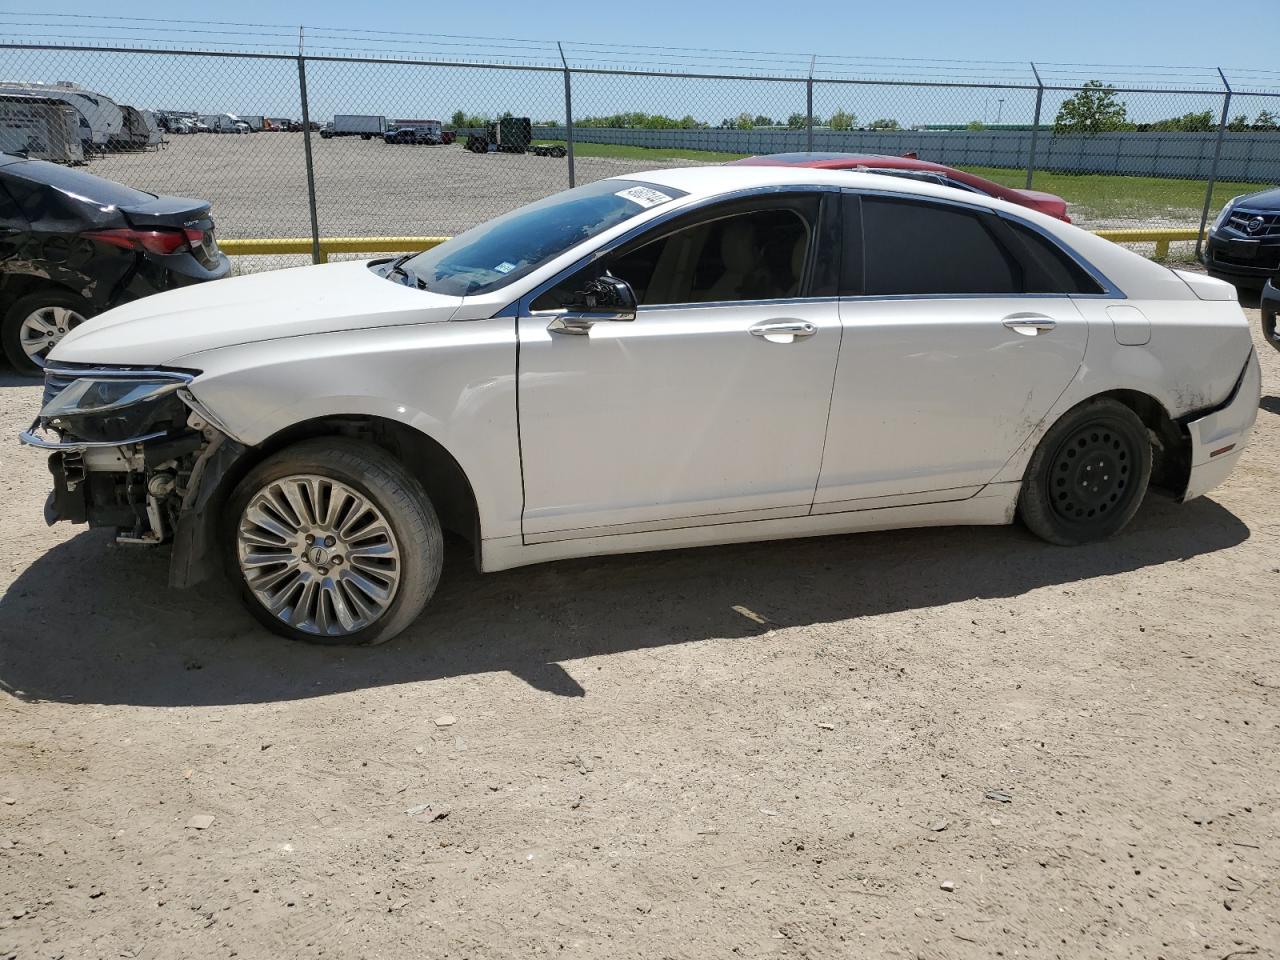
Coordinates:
52	311
333	541
1088	476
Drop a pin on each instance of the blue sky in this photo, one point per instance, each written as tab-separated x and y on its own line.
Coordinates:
922	39
1178	32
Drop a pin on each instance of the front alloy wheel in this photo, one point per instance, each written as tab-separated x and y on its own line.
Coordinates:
334	541
318	555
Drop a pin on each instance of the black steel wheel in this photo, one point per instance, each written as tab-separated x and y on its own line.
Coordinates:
1089	474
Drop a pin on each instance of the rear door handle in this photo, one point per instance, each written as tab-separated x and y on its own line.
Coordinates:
783	331
1029	324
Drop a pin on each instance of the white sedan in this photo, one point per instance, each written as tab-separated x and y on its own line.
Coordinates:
688	356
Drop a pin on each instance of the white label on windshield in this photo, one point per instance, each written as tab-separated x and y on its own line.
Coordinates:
645	196
505	267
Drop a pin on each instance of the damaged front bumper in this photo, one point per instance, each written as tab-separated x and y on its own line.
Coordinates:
147	469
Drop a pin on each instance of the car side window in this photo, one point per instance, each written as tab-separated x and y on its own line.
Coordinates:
742	255
919	248
1047	267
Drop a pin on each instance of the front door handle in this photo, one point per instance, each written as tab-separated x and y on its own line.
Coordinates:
1029	324
783	331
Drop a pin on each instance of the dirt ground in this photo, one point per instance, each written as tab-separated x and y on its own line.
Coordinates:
635	768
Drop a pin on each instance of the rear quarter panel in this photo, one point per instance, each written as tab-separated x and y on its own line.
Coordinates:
1190	364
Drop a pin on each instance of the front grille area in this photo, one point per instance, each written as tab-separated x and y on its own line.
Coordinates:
1240	220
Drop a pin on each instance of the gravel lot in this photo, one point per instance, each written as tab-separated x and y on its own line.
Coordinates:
635	767
363	187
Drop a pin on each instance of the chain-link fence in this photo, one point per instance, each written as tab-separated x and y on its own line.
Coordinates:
319	146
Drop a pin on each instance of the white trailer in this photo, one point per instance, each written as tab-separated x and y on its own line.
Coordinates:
224	123
255	121
102	117
41	128
355	124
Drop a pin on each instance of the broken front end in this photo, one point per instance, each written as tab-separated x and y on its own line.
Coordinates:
130	448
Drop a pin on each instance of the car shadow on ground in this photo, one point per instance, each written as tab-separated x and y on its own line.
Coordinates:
10	379
1270	404
91	622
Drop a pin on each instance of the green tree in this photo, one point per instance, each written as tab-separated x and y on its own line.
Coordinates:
1095	109
1201	122
796	121
1238	123
885	123
842	120
459	118
976	125
1266	120
744	122
763	121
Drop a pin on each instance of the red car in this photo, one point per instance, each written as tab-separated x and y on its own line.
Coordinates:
916	169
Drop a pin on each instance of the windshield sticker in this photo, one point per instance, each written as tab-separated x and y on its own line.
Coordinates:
645	196
505	266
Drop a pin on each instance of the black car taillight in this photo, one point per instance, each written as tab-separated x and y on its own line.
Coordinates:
158	241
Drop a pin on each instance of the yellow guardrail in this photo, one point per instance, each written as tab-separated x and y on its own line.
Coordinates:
1161	238
328	245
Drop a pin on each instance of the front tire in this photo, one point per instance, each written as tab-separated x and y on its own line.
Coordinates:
33	325
1088	476
333	541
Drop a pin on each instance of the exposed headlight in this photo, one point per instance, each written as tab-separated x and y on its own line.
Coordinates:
1226	212
101	396
113	407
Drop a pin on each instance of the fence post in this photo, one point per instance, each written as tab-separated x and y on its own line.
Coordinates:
808	110
306	148
1035	127
1213	170
568	114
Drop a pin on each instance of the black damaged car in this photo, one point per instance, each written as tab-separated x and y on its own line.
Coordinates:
73	245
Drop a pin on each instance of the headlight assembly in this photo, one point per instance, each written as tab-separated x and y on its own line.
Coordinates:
116	406
102	396
1226	212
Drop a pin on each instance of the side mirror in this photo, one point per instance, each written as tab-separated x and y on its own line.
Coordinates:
605	298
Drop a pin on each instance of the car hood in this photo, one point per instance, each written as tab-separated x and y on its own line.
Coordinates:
263	306
1263	200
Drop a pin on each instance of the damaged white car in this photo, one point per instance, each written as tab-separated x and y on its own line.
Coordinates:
690	356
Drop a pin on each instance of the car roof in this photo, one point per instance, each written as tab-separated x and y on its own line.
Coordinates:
840	161
709	181
7	159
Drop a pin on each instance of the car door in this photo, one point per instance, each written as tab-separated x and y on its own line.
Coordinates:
711	405
14	228
960	332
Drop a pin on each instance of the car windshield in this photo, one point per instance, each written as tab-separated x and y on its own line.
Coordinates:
503	250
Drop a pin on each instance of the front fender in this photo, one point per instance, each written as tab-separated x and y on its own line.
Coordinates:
454	382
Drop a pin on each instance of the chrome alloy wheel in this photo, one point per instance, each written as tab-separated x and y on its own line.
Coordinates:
318	555
43	328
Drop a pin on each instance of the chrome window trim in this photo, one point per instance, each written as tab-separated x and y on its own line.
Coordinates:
1109	290
521	306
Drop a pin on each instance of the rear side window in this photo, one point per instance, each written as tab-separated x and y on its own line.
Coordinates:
915	248
1048	268
922	248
